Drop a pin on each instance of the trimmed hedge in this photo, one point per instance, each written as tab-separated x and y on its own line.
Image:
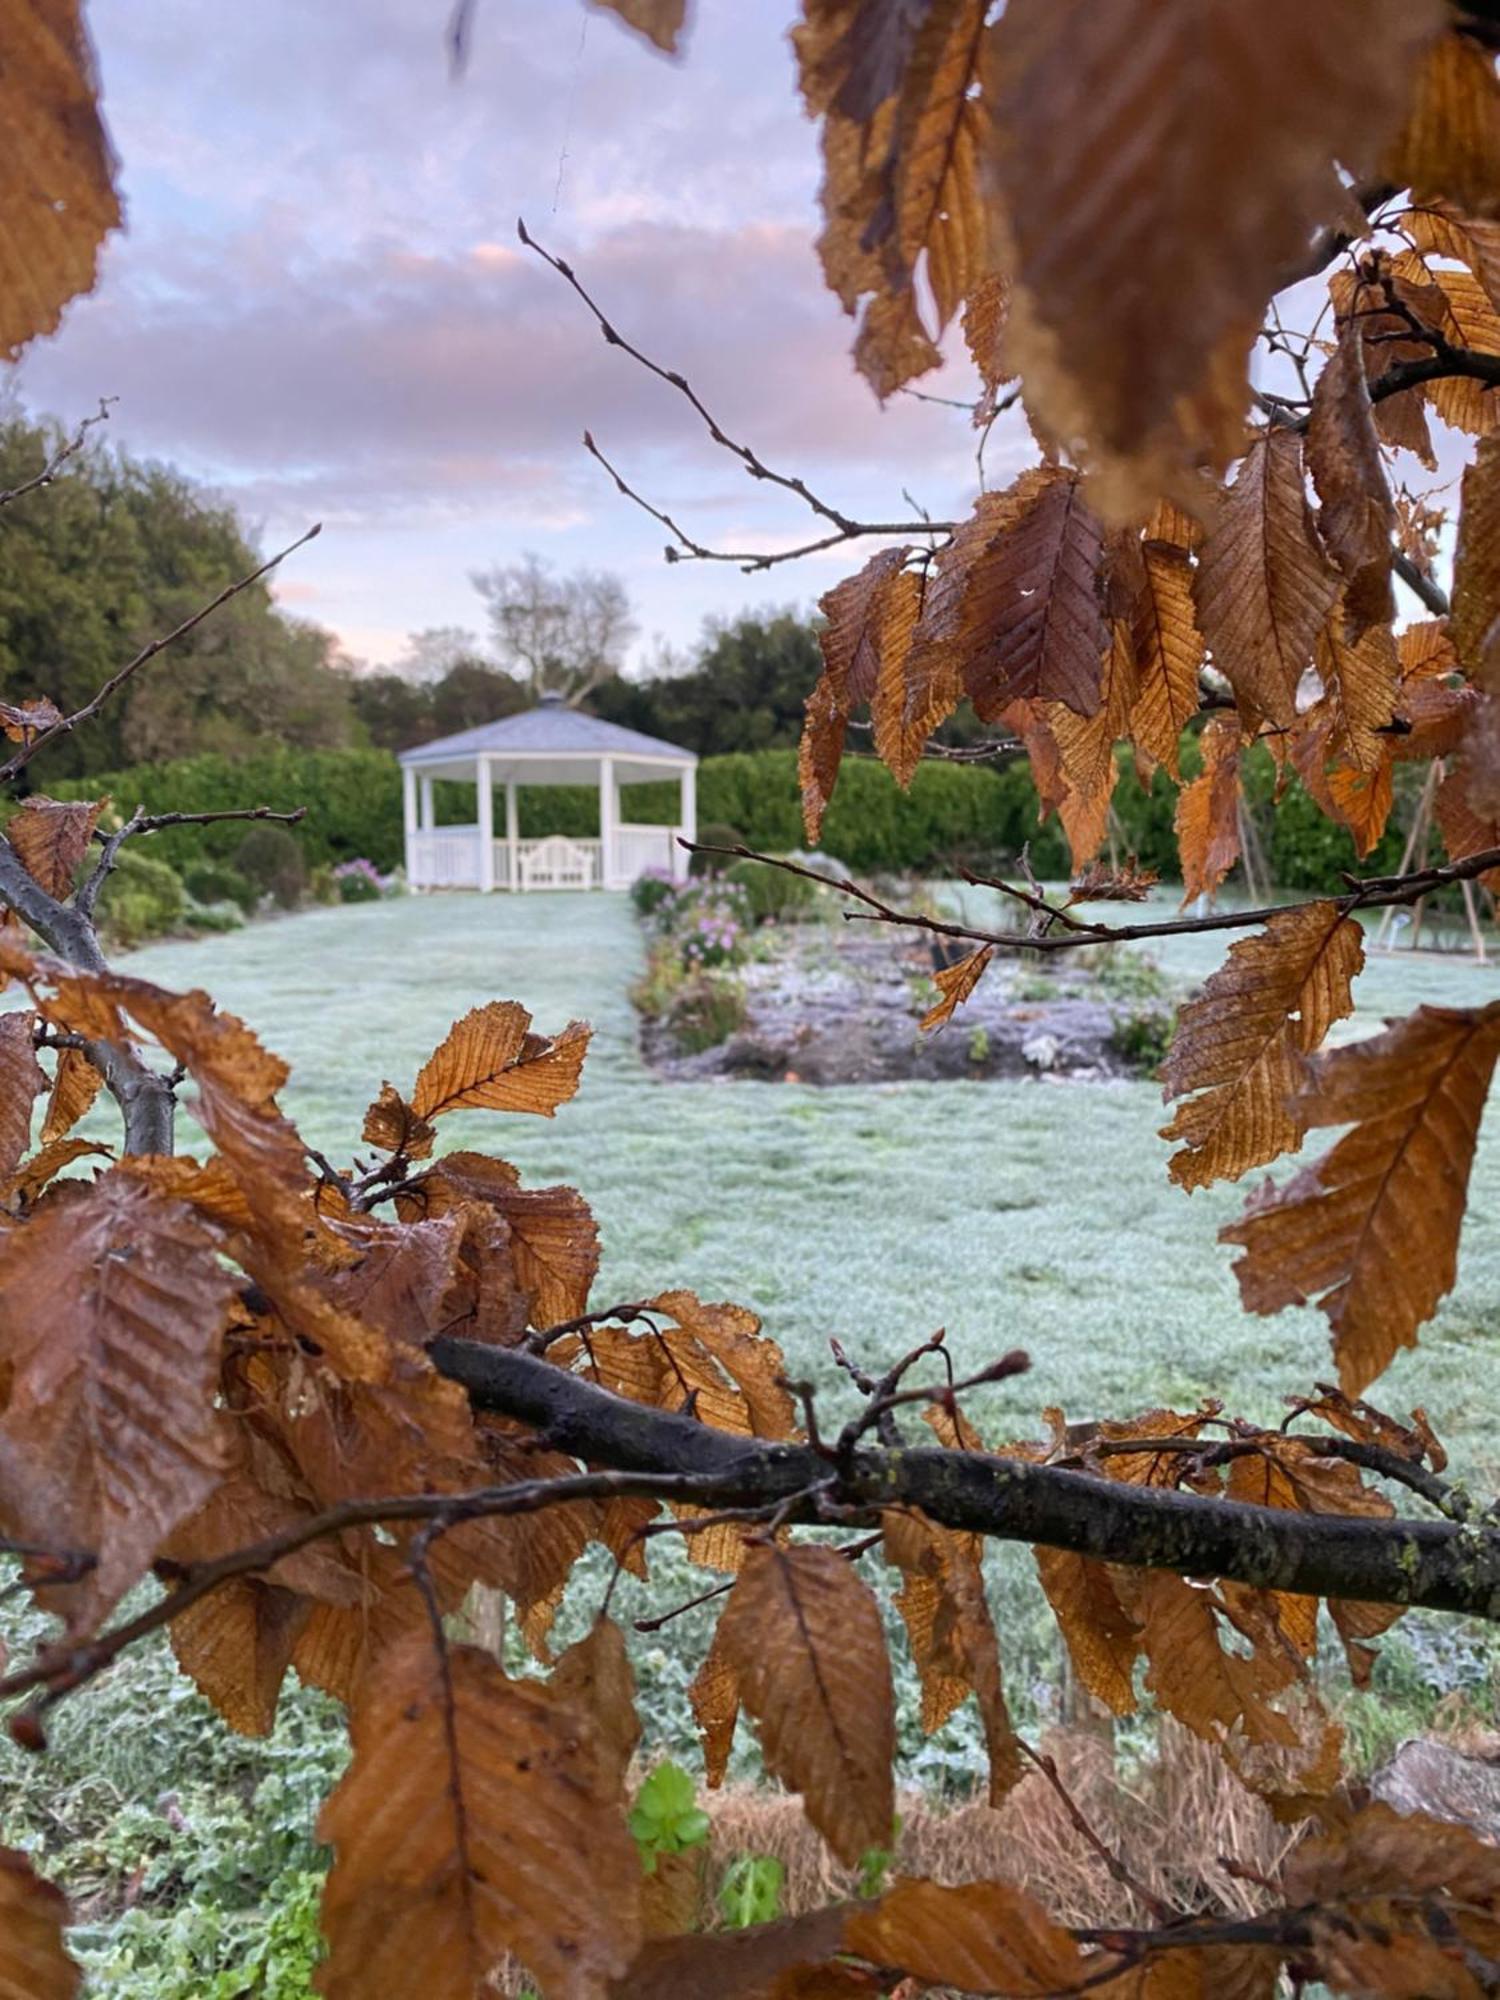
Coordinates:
952	813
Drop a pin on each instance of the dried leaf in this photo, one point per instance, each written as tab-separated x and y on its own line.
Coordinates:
392	1125
900	156
1450	144
594	1678
25	720
22	1081
490	1061
984	336
1447	231
52	836
1263	586
1240	1044
1371	1230
1475	622
478	1817
28	1181
58	190
955	983
115	1301
660	21
1086	749
1358	520
1168	654
737	1965
803	1636
34	1963
1361	681
714	1694
753	1362
1103	1641
1125	188
984	1937
1464	828
1375	306
1207	817
74	1087
1213	1690
869	619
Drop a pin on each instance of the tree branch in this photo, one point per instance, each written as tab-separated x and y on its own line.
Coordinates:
1439	1565
141	821
60	457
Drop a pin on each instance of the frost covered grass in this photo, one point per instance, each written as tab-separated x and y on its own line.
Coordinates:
1011	1213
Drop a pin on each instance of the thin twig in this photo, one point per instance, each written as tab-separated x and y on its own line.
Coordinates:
142	822
1163	1912
55	464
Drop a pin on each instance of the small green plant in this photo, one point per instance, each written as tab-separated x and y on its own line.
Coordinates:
211	921
666	1816
716	833
751	1891
706	1010
876	1863
270	857
772	896
1034	986
1142	1037
1128	975
979	1045
652	892
216	882
142	899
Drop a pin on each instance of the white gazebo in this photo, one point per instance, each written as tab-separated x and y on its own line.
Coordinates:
551	744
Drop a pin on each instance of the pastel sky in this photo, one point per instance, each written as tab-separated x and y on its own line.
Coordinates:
320	307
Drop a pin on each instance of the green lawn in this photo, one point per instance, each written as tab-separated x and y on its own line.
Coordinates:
1031	1214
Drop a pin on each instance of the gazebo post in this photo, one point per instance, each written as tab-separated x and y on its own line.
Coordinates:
485	789
608	812
689	827
512	837
409	823
429	815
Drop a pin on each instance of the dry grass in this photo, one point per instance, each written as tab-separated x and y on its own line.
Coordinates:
1169	1822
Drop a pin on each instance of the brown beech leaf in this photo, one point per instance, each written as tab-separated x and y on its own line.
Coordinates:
1375	306
1168	654
115	1302
22	1081
753	1362
34	1963
1465	829
1371	1230
551	1242
1446	231
74	1087
743	1965
58	186
1103	1641
714	1694
1450	144
802	1634
28	1181
984	1937
1468	319
1263	586
869	620
1358	519
392	1125
954	984
1123	189
478	1816
594	1678
660	21
1475	622
952	1635
52	836
1361	683
984	336
895	87
490	1061
1210	1688
1236	1057
1086	749
1207	817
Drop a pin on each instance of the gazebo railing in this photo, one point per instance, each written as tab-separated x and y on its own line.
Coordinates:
448	857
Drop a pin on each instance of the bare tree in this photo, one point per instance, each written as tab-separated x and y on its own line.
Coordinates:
433	652
561	634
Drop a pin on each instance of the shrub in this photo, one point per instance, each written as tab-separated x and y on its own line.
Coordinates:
271	859
360	881
715	833
217	882
142	899
322	887
711	927
652	891
771	894
210	919
1142	1037
706	1010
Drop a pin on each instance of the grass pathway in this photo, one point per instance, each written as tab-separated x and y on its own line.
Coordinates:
1013	1213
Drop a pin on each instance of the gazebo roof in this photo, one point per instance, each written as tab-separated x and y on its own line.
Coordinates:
545	745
